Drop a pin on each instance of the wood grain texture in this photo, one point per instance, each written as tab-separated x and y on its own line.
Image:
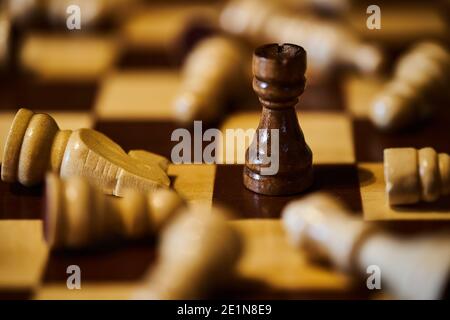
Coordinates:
376	207
193	182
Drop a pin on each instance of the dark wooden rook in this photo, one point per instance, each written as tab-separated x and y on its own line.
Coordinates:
279	78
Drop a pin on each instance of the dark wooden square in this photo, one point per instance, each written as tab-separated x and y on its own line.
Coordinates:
340	180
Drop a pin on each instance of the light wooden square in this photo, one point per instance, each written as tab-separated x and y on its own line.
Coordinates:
23	254
138	95
194	182
328	134
359	93
88	291
65	57
160	26
269	258
375	204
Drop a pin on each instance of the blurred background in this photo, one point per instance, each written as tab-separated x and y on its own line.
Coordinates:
35	40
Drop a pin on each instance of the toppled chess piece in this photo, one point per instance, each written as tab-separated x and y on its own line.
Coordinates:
411	268
329	44
79	215
279	78
421	81
197	253
413	175
214	72
35	145
5	40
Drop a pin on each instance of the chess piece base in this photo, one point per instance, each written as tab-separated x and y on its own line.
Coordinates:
278	184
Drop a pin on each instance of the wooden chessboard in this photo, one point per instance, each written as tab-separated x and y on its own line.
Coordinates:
126	92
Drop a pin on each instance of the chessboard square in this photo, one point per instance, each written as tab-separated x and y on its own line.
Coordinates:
194	182
65	120
328	134
160	26
138	95
23	253
122	263
370	141
37	94
359	93
63	57
339	180
20	202
269	258
89	291
376	207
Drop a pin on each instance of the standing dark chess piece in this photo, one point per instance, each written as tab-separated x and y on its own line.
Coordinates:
279	78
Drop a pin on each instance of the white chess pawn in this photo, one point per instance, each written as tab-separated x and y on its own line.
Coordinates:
328	44
215	71
421	81
411	268
197	254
